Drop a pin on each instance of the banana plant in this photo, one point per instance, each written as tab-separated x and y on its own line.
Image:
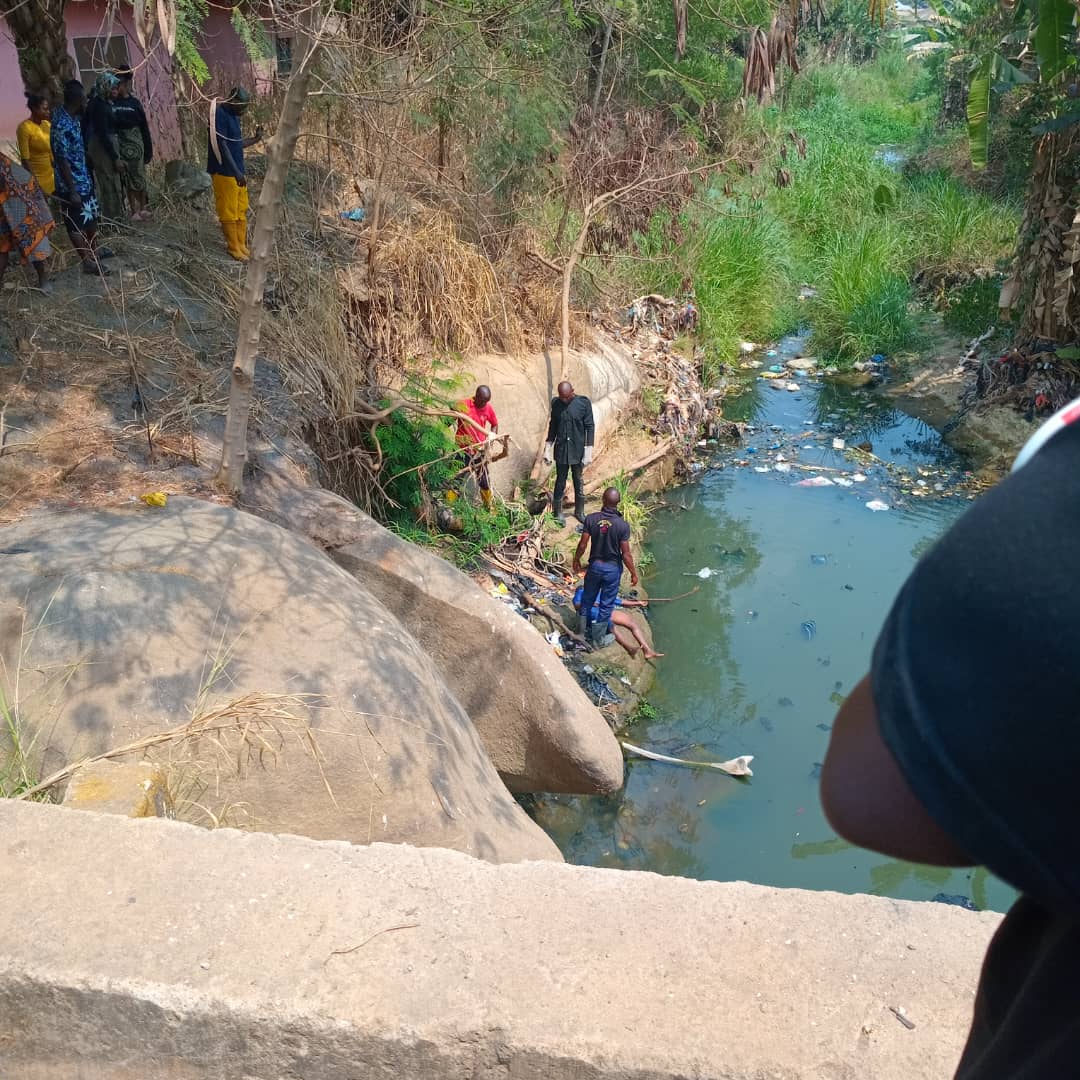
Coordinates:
1037	43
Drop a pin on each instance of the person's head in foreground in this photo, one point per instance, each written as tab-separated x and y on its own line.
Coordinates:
962	747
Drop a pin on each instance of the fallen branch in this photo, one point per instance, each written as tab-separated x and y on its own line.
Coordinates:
555	617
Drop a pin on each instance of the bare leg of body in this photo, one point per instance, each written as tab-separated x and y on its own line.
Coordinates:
620	618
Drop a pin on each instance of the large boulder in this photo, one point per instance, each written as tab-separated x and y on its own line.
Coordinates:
186	180
540	730
117	625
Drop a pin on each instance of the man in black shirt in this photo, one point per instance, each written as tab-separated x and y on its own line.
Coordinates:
570	445
610	537
962	746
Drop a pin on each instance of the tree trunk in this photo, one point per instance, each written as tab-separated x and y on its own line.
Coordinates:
600	68
1045	273
279	154
40	36
567	277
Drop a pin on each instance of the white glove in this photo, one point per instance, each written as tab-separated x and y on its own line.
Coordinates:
587	457
549	453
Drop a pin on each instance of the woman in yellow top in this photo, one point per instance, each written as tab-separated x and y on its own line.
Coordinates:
34	147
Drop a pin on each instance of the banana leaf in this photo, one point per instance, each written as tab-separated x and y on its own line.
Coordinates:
1054	33
978	113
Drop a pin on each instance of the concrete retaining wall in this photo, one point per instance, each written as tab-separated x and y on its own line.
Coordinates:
522	388
132	950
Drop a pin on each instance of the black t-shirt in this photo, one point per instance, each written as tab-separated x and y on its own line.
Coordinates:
607	529
975	679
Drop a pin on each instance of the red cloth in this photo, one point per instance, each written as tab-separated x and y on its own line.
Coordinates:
468	436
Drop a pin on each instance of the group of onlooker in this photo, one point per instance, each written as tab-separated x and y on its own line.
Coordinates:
88	156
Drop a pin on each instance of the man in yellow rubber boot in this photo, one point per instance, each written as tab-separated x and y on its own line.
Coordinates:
225	164
471	437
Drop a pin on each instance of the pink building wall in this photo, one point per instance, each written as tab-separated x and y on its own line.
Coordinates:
223	50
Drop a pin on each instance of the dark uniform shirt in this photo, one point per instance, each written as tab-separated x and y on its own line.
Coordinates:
231	141
976	680
607	529
571	429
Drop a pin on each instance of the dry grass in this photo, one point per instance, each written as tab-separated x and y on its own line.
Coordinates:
430	291
226	738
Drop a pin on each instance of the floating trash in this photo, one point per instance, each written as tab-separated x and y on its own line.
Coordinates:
858	478
794	387
703	573
785	702
597	688
824	727
762	468
954	899
838	444
816	481
877	505
809	629
819	560
782	466
815	770
738	766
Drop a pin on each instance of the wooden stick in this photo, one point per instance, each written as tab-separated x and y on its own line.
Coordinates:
668	599
555	617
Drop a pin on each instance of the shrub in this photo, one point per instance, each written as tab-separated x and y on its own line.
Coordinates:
863	297
416	457
973	308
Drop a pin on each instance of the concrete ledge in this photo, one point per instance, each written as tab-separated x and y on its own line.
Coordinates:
135	949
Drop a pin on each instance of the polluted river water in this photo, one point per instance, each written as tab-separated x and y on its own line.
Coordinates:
759	658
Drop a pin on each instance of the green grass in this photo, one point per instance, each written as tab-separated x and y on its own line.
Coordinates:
954	229
862	306
18	772
636	512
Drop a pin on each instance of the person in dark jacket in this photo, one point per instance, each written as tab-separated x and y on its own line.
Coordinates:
101	147
570	445
225	164
134	144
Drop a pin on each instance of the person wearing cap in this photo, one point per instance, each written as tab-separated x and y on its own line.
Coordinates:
225	164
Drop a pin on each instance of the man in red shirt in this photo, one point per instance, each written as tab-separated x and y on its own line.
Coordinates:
471	439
